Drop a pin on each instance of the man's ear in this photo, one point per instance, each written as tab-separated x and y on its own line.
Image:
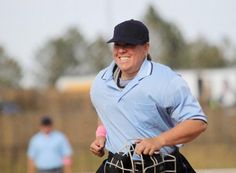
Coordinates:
147	45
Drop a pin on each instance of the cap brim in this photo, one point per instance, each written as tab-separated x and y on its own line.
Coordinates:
125	40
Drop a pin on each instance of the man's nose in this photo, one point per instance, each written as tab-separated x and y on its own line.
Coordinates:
122	49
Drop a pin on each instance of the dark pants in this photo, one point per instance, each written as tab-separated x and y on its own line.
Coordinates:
182	165
54	170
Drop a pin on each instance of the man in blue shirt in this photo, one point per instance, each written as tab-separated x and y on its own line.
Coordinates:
49	150
142	102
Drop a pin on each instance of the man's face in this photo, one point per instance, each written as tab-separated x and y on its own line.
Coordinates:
46	128
129	58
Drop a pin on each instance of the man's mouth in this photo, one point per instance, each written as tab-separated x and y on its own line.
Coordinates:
124	58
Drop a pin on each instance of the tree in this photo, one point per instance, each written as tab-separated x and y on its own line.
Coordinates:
70	55
10	71
99	55
167	42
169	46
229	51
60	57
204	55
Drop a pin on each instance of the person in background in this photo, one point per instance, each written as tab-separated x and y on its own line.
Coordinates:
142	101
49	150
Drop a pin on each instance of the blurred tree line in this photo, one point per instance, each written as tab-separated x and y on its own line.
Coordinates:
10	70
71	54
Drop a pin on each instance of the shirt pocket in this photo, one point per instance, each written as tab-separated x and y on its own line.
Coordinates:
146	115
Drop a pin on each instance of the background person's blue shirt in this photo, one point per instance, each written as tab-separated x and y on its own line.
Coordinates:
48	151
153	102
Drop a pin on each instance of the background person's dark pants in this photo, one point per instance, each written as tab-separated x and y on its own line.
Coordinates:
182	165
55	170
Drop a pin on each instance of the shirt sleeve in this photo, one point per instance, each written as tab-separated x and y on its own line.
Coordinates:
182	104
31	152
65	146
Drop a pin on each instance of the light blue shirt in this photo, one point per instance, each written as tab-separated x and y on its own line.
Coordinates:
153	102
48	151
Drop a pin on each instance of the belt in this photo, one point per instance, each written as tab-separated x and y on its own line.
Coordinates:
52	170
174	153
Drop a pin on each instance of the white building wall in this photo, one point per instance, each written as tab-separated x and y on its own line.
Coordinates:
213	81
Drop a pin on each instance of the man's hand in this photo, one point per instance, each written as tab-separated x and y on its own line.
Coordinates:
147	146
31	166
97	146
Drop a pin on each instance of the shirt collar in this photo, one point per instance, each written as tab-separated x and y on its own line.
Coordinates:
144	71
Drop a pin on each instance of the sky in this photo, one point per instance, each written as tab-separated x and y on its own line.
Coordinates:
26	25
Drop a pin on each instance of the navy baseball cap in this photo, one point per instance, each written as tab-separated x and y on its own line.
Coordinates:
46	121
131	31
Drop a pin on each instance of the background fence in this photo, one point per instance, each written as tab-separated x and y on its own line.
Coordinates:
74	115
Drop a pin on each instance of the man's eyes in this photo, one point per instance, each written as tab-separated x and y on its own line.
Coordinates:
124	45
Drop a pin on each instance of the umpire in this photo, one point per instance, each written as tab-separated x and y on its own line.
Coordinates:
142	101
